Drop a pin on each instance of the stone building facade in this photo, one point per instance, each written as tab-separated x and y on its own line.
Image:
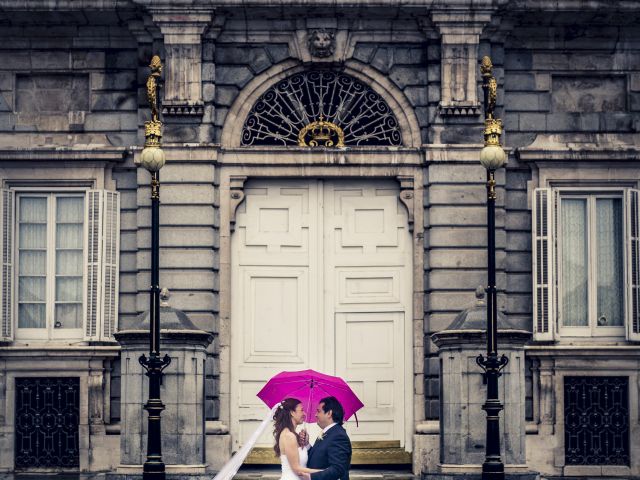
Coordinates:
345	256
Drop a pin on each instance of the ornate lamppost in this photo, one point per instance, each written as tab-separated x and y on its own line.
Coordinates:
492	157
152	158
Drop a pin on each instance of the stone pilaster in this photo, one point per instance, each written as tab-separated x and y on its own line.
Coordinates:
183	50
460	35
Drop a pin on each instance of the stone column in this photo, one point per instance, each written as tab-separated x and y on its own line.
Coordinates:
183	49
460	35
463	392
183	420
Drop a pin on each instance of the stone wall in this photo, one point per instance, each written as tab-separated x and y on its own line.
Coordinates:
67	83
560	80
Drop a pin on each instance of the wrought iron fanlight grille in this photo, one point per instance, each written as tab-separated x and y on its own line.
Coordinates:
321	108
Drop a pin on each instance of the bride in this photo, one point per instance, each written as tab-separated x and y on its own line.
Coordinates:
289	445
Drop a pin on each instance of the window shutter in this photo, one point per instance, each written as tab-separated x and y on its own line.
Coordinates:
543	274
102	264
110	263
633	274
7	207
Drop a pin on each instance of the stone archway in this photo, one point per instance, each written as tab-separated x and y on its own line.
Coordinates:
383	92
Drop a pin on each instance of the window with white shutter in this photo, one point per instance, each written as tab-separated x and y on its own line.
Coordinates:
102	264
60	252
586	265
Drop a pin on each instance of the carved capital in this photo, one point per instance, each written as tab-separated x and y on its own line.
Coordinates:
236	197
407	195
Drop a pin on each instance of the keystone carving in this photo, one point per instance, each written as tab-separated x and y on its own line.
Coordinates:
321	42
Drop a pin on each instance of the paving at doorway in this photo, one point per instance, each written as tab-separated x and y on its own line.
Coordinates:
246	473
372	473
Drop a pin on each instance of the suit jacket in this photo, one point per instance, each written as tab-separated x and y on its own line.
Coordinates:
332	454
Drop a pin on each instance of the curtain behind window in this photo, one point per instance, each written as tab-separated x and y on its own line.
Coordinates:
32	261
609	253
33	247
69	263
574	262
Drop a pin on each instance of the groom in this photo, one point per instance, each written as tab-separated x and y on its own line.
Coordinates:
332	450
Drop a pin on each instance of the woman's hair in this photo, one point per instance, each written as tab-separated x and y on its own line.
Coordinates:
282	419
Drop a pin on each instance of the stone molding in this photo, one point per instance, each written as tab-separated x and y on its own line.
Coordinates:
57	154
453	338
182	33
169	338
612	147
515	5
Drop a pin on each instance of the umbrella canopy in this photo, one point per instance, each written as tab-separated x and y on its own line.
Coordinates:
310	387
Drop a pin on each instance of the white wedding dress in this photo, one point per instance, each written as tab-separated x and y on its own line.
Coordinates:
287	473
230	468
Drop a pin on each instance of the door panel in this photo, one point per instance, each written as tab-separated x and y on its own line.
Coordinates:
321	278
368	255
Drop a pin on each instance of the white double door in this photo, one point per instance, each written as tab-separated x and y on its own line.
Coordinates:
321	279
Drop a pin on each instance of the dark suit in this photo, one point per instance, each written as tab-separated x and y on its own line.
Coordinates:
332	454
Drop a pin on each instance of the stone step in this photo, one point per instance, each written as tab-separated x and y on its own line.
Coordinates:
273	473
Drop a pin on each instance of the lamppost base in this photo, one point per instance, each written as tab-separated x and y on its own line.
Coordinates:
154	475
498	474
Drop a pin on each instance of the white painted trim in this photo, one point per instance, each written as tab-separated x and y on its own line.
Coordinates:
49	332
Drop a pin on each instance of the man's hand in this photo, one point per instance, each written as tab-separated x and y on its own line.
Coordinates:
305	476
304	438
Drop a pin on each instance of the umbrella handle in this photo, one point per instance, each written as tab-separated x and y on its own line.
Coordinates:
356	415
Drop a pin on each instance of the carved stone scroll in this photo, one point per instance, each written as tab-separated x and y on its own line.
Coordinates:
407	196
236	189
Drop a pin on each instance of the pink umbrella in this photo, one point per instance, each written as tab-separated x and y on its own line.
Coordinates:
310	387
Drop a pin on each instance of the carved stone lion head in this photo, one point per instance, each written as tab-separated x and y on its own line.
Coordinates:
322	43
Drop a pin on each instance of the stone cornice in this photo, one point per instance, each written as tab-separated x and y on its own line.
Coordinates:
598	147
512	5
583	351
456	338
46	352
57	154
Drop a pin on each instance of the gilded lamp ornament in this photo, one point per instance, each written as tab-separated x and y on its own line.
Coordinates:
492	155
152	157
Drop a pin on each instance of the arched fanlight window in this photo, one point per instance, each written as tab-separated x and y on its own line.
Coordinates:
321	108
